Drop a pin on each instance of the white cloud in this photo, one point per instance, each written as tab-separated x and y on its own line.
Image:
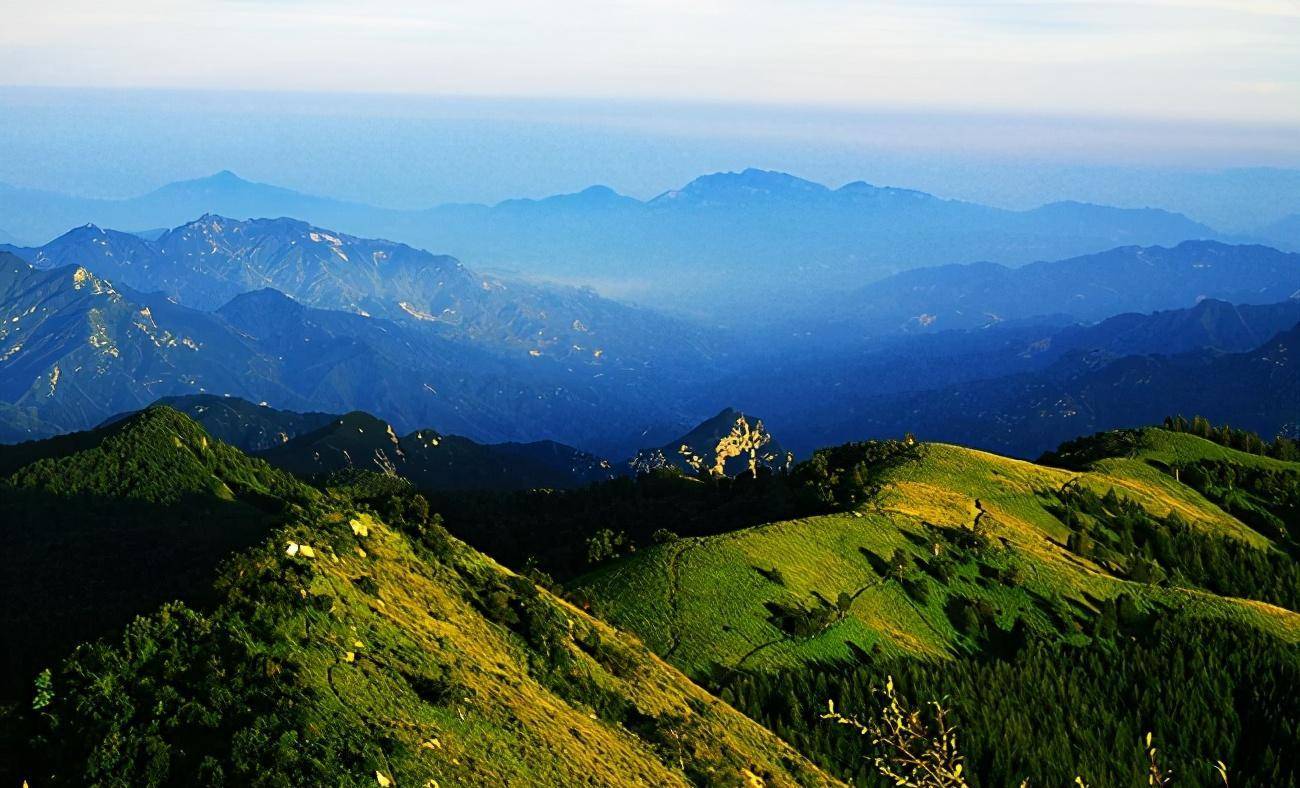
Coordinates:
1162	58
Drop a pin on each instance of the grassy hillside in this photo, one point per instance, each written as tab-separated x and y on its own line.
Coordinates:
959	526
350	647
1061	611
1112	592
339	635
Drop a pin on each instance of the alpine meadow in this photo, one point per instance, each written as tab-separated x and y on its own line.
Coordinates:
770	395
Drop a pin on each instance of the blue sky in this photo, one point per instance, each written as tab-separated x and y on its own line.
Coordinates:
1182	59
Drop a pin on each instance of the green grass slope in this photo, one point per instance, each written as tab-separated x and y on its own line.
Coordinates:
958	552
349	647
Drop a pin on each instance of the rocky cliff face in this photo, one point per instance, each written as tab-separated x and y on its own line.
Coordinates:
729	444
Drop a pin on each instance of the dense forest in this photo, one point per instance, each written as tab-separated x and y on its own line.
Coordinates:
1118	533
1050	711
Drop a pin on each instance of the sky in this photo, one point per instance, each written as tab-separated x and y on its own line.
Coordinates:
409	104
1207	60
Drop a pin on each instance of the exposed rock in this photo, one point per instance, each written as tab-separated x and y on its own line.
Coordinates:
729	444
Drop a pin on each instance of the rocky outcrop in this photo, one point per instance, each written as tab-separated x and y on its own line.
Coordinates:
729	444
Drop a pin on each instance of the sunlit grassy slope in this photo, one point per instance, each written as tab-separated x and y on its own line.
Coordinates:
370	653
343	651
706	603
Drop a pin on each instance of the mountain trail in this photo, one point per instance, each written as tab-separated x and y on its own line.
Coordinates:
674	598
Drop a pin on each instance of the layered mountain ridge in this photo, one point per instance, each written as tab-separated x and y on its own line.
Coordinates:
1083	289
437	343
1028	413
733	232
318	444
433	461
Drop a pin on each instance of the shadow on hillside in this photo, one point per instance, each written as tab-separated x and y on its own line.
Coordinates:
552	527
76	568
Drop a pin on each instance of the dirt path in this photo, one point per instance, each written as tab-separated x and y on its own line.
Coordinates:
675	597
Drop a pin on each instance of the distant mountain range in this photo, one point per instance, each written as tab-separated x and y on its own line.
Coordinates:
1086	390
734	234
1082	289
76	348
924	381
208	261
312	320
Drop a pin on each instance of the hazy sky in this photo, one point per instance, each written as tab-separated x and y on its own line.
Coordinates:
1197	59
408	103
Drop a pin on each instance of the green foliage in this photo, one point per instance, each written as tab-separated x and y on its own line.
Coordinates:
1281	448
1079	453
183	697
664	536
157	457
846	476
606	544
514	602
802	622
1118	532
44	690
1267	499
1048	712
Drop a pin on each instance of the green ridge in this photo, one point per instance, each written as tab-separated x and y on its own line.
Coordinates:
342	650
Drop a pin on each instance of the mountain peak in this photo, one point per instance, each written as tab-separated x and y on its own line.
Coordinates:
864	189
359	420
83	277
727	415
222	184
744	186
222	178
729	444
155	432
265	298
81	233
598	196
